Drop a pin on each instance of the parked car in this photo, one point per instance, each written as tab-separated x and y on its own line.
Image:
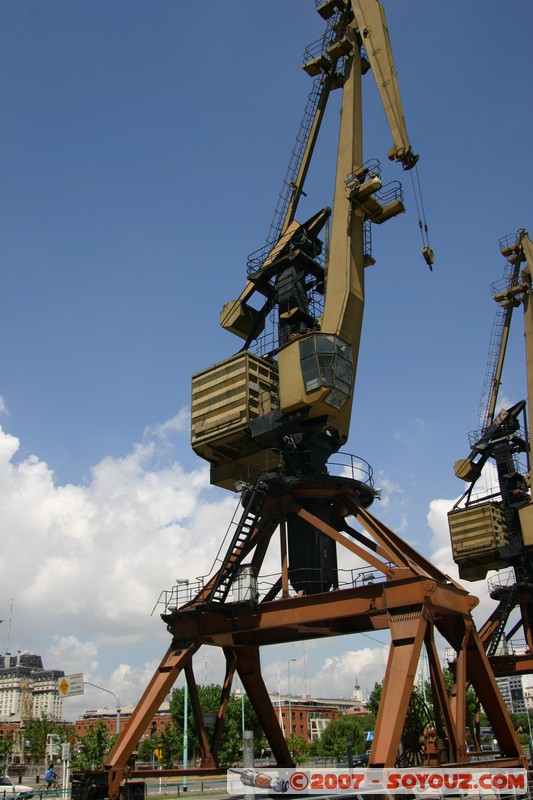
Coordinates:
485	748
10	789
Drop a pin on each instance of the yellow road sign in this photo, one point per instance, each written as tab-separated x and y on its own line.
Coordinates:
70	684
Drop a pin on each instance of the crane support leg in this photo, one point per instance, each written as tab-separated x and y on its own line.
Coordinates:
207	760
442	701
458	695
249	669
156	691
231	663
482	678
526	608
407	637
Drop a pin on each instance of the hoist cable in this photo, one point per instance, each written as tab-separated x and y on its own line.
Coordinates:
415	194
419	202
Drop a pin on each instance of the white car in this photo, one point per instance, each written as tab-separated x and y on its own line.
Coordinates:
9	789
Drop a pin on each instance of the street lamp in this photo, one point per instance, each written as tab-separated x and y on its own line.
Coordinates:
290	710
185	581
530	738
88	683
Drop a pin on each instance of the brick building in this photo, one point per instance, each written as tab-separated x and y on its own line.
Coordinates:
304	720
305	717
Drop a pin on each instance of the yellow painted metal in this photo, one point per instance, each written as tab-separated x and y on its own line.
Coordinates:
225	398
344	298
372	24
222	436
526	524
527	247
477	533
239	318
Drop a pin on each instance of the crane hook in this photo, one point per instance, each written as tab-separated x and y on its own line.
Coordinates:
429	256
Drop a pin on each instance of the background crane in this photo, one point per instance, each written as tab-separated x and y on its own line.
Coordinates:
493	529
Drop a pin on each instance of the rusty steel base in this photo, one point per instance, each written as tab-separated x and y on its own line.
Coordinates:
498	639
413	600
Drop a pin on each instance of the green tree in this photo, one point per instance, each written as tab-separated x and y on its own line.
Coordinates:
375	698
6	749
171	744
449	680
298	748
93	747
231	742
36	732
334	740
145	751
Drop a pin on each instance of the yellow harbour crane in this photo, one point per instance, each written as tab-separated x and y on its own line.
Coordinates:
493	529
271	420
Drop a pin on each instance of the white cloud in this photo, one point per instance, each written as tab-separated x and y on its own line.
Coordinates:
86	564
338	674
3	406
70	652
390	491
177	424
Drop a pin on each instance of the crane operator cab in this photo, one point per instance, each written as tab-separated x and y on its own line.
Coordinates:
256	413
321	366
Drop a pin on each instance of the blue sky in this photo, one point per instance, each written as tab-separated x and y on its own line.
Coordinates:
143	148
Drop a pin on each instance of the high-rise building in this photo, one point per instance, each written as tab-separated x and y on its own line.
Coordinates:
28	690
512	692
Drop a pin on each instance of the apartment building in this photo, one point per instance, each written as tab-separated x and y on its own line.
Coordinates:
28	690
512	692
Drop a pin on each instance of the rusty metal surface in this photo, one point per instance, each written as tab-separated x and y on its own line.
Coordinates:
413	601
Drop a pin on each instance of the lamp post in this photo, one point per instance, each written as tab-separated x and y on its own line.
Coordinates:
88	683
185	581
530	742
290	709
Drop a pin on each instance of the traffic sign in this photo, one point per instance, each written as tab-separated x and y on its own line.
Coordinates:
158	753
70	685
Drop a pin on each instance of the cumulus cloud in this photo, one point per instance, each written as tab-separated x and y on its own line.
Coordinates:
365	665
177	424
86	564
70	652
390	490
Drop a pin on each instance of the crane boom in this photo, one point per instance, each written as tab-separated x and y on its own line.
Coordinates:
527	274
372	24
507	300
